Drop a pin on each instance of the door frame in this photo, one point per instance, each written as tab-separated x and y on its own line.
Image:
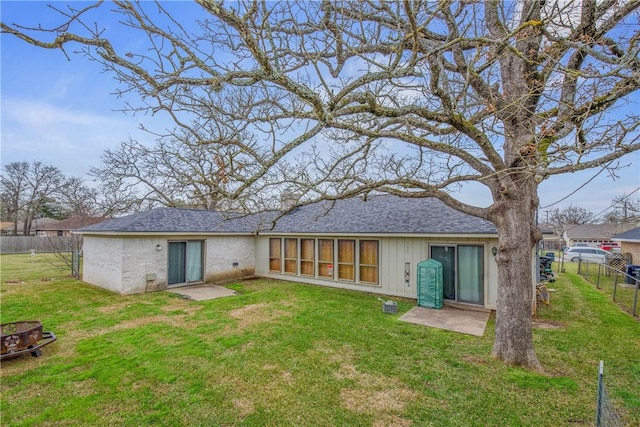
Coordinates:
483	273
202	261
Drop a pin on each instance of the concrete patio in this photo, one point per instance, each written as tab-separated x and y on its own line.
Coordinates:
203	292
452	318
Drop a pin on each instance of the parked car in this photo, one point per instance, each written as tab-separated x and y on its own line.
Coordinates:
577	253
610	246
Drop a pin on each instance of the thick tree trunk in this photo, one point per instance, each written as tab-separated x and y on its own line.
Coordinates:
516	237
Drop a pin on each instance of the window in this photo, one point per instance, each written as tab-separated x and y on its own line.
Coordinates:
185	262
307	257
291	256
346	259
325	258
369	261
356	260
275	257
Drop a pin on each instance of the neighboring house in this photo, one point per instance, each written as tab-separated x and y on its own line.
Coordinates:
550	241
591	234
371	245
630	243
6	228
48	227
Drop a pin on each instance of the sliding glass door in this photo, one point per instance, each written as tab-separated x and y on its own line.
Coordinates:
470	274
185	262
462	272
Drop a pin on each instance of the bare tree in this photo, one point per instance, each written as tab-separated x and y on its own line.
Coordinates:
13	186
626	211
414	98
78	200
27	189
570	215
178	171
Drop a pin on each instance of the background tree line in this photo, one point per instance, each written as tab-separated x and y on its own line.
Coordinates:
29	191
132	183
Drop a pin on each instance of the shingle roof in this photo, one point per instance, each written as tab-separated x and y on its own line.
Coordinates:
176	220
591	231
628	236
68	224
382	214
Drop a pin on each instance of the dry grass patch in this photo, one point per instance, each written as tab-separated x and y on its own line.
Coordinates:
390	420
373	393
255	314
367	401
244	407
547	324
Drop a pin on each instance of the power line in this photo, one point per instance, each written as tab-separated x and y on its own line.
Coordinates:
577	189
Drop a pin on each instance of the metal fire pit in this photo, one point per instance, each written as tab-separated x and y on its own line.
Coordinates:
23	337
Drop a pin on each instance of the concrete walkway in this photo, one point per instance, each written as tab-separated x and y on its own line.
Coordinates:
471	322
203	292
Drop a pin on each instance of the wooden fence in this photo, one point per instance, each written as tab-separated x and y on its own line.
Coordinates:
26	244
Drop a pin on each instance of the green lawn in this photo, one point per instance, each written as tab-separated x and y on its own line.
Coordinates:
288	354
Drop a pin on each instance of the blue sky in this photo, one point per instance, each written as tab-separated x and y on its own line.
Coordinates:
62	113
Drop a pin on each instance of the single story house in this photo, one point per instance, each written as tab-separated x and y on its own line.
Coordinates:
590	234
62	227
370	244
630	243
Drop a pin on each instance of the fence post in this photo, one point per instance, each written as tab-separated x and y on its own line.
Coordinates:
600	397
598	280
615	284
635	294
75	264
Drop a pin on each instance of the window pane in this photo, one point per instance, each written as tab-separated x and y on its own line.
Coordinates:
470	273
274	255
346	259
177	251
346	251
446	255
369	252
325	250
307	257
325	258
291	256
306	249
369	274
345	272
193	268
369	261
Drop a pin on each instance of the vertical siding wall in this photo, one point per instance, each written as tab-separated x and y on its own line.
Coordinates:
394	252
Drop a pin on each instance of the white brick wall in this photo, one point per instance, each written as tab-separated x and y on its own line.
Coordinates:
140	258
121	264
102	262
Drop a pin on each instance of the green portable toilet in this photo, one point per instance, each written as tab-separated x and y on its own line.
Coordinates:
430	284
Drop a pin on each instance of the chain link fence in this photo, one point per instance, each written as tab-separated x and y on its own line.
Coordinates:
621	281
606	415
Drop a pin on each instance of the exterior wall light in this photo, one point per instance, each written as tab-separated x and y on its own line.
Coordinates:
494	251
158	247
